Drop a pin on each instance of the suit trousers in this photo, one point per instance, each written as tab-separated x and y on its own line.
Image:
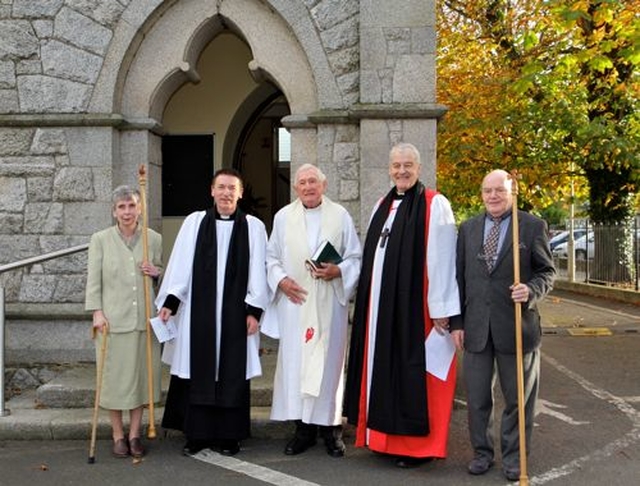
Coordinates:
480	373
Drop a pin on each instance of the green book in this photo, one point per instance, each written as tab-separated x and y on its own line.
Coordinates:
325	253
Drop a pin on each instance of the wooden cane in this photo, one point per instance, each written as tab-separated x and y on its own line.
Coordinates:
96	405
142	173
524	479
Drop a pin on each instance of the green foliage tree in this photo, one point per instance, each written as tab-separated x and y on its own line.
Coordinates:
592	69
549	88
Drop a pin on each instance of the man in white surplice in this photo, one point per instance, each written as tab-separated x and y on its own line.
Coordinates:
309	312
215	286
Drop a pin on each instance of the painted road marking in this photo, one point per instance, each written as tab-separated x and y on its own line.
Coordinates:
550	408
590	331
260	473
599	308
627	440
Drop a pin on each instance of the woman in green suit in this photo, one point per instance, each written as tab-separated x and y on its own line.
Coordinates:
115	295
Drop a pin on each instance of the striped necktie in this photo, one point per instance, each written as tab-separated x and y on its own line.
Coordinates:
491	243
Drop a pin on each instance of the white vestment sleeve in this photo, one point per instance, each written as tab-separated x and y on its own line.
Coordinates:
443	298
350	266
257	288
275	273
275	256
177	281
177	277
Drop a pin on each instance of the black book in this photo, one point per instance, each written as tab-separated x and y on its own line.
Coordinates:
325	253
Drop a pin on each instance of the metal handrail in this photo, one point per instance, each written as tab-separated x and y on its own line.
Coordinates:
42	258
13	266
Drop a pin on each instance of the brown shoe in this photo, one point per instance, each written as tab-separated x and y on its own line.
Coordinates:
121	448
135	445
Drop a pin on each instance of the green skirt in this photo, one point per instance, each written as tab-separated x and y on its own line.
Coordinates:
125	374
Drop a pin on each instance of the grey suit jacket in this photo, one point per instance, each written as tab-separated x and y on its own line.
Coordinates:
487	309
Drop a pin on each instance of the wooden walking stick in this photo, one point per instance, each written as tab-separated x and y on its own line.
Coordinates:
96	405
142	172
524	480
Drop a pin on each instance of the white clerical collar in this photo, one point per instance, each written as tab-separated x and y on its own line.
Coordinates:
225	217
317	208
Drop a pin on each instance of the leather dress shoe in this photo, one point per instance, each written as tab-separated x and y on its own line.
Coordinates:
298	445
335	446
406	462
511	473
229	447
479	465
193	447
121	448
136	448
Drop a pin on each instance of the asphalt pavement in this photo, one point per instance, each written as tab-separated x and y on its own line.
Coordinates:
587	429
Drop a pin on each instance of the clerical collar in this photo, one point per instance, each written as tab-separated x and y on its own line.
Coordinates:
306	208
225	217
402	195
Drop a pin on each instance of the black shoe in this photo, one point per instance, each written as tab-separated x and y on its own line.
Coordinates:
479	465
298	445
335	446
193	447
229	447
406	462
332	436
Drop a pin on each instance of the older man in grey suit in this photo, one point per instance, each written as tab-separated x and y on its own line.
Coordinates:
486	326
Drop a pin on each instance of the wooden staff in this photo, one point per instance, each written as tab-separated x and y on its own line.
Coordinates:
142	173
96	405
524	480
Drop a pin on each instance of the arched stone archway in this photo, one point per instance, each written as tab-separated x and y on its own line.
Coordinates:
158	64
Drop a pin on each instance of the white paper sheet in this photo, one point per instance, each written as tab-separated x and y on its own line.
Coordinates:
439	351
254	367
164	331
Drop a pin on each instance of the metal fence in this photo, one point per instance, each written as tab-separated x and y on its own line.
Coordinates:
602	254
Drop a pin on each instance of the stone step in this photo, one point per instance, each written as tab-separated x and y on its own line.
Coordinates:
62	408
74	386
26	422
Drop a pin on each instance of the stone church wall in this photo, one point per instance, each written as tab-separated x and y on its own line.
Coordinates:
66	141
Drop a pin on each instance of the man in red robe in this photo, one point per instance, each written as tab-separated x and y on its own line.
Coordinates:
407	290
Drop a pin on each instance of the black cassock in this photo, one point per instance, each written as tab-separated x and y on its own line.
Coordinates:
203	408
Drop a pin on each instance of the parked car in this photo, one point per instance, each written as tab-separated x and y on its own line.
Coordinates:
563	237
582	246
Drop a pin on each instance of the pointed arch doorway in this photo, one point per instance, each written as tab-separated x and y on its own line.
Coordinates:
227	119
262	154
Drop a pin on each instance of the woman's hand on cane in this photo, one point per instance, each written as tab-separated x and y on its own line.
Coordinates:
150	270
99	322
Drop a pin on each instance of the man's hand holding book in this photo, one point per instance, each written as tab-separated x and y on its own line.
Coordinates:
323	264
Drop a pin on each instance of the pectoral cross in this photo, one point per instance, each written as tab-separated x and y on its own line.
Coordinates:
384	236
